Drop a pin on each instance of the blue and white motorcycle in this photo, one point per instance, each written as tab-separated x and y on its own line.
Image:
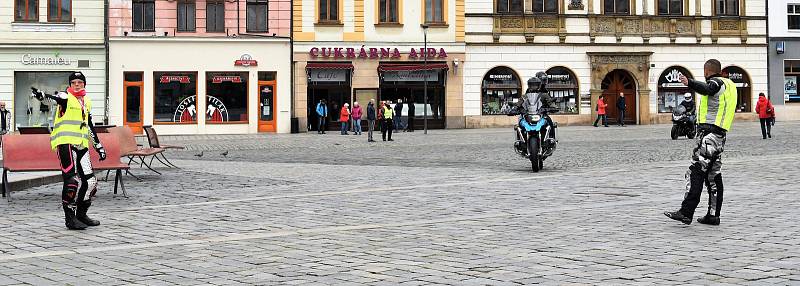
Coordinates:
536	136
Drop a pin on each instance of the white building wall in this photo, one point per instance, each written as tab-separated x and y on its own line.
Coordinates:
778	24
86	28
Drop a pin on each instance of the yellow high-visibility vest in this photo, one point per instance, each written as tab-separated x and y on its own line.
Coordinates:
73	126
719	108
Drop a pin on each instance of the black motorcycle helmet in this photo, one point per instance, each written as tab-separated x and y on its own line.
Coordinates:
534	84
544	79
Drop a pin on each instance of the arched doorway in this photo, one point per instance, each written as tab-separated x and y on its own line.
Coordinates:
670	89
501	87
615	82
742	81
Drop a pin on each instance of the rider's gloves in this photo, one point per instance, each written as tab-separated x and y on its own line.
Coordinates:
101	151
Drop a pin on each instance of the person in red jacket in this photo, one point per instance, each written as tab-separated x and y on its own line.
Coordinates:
601	111
344	117
766	113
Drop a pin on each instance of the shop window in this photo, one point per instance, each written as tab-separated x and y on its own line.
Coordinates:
670	88
434	11
257	16
144	15
743	87
26	10
545	6
616	7
790	80
175	97
793	16
329	11
215	16
187	16
226	97
563	86
509	6
727	7
59	10
387	11
28	111
670	7
501	91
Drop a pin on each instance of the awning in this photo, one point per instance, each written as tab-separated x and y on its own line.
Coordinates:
412	67
331	66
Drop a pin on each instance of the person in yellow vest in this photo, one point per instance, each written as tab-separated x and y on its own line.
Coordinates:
714	117
388	122
72	134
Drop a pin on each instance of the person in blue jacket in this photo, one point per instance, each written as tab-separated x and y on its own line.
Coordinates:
322	114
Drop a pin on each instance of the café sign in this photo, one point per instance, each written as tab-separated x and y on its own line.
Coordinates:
56	60
327	75
411	76
375	53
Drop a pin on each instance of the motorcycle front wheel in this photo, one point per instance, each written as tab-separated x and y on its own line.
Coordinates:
533	153
674	133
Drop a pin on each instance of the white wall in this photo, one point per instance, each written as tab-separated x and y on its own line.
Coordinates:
86	28
778	26
172	54
526	60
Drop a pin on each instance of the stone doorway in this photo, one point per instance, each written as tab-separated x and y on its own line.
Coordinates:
615	82
637	67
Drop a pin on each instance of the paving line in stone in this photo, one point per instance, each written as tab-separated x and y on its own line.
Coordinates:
323	230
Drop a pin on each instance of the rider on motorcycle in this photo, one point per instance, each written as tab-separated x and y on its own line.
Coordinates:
688	103
537	97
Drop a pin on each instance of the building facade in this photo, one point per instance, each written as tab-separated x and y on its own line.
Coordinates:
602	47
41	42
784	57
348	51
200	66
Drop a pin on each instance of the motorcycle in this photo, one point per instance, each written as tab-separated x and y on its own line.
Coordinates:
535	138
683	123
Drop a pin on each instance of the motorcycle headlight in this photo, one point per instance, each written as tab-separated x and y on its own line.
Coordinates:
535	117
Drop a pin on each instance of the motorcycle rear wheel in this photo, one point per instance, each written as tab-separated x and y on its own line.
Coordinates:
692	132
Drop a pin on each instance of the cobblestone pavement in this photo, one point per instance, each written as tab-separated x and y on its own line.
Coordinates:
454	207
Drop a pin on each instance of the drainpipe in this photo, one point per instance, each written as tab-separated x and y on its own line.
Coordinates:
238	18
105	45
292	116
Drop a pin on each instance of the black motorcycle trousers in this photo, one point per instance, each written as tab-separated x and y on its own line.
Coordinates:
80	183
705	169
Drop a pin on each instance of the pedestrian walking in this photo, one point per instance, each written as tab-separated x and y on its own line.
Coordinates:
356	116
601	111
714	117
411	114
621	108
5	119
322	114
371	117
344	117
72	134
398	115
766	113
388	122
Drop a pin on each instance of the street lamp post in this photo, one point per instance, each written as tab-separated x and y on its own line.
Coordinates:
425	79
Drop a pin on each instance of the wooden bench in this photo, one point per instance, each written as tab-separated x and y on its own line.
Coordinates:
32	152
131	150
152	140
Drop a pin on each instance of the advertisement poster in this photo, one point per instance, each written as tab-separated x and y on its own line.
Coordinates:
790	85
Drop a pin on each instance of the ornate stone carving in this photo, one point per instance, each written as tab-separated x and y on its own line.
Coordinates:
619	59
728	25
632	26
511	23
684	27
604	26
575	5
658	26
546	23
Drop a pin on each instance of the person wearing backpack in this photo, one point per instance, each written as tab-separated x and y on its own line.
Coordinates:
766	114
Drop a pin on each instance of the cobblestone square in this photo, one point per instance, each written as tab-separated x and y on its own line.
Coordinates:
454	207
